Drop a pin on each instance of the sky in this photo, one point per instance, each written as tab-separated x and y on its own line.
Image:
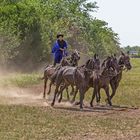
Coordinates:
123	16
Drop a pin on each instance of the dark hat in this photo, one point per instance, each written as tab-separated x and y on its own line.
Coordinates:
58	35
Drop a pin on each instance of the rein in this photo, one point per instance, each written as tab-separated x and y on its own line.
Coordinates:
89	56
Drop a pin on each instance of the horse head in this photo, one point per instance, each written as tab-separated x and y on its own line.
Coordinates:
124	60
110	63
65	62
75	57
93	63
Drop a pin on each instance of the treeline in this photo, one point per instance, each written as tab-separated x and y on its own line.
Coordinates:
28	29
132	48
134	51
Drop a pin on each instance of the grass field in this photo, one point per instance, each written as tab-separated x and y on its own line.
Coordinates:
19	80
27	121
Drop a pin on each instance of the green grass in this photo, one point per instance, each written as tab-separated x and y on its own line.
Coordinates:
128	92
44	123
20	80
35	123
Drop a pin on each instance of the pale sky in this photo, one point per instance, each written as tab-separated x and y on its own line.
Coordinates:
124	18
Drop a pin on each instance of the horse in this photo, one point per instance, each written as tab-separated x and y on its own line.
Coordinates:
124	61
101	78
91	64
50	69
75	76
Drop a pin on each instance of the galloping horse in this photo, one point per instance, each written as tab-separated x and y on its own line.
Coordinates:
50	69
124	61
100	78
91	64
74	76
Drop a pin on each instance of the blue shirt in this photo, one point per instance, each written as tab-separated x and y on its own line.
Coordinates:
56	48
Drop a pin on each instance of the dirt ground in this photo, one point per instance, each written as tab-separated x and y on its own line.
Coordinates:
65	121
33	97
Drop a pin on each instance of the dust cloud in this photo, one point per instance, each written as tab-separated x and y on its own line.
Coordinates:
16	95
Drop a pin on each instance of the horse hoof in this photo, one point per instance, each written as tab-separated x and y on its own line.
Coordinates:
81	108
91	105
59	101
52	104
109	105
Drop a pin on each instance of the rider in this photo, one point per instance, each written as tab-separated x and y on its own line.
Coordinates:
59	49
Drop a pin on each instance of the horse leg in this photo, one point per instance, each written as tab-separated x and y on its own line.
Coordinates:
72	90
107	94
75	93
68	97
114	88
61	93
82	93
45	85
55	93
93	96
50	85
98	96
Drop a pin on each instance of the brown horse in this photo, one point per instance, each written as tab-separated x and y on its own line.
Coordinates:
124	61
101	78
50	69
91	64
78	77
98	81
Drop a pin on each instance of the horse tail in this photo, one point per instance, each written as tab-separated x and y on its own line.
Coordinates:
42	78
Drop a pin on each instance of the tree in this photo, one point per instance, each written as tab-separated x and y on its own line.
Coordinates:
28	29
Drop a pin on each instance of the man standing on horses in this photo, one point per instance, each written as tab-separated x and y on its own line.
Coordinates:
59	49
